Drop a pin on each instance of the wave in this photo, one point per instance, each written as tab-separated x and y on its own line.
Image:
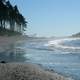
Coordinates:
60	44
57	45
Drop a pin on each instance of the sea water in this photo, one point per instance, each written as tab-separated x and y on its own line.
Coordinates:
60	55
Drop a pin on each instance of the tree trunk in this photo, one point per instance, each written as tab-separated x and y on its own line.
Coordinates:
4	24
1	24
12	24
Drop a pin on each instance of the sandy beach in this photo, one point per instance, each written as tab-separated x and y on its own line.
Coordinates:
20	71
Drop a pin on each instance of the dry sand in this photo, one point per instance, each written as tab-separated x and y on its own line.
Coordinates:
20	71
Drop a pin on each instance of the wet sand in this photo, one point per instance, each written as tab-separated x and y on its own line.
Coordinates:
6	41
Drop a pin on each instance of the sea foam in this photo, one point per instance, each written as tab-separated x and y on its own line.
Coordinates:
58	43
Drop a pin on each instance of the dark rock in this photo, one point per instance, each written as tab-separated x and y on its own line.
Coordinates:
3	61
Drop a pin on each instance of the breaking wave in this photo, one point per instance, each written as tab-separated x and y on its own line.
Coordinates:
71	44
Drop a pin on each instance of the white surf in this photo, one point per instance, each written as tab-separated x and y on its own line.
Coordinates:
58	43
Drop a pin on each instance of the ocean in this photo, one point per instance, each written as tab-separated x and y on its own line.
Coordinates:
61	55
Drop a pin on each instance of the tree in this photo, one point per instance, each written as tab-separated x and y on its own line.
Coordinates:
11	14
3	14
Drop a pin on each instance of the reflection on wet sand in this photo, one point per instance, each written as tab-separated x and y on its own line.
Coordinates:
14	54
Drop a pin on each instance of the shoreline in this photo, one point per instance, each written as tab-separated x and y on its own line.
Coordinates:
28	71
7	41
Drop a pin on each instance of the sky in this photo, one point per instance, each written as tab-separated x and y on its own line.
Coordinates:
50	17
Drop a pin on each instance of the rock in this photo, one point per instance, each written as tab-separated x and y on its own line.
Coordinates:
3	62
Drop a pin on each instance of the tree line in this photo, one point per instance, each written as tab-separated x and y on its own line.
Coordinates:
11	18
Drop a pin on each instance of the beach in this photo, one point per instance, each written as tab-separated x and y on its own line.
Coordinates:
6	41
23	71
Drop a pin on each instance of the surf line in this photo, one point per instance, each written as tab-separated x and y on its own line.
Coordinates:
58	43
